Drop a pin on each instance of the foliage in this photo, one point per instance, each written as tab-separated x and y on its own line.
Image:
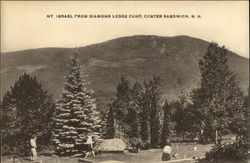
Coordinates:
241	120
230	152
136	111
246	131
26	109
132	119
144	116
126	113
167	128
218	99
138	102
179	117
120	104
182	114
134	144
183	120
110	128
152	98
76	114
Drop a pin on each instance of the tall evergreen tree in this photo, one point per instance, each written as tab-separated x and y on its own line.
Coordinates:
121	105
127	111
27	109
145	125
142	100
218	99
76	114
137	111
138	100
110	131
179	117
167	124
152	96
132	121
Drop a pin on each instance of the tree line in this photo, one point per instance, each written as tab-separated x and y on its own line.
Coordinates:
215	108
134	114
63	124
138	114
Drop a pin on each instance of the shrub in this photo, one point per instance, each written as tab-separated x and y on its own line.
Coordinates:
134	144
230	152
145	145
48	150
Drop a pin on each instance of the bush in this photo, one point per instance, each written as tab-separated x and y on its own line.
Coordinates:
47	150
145	145
134	144
230	152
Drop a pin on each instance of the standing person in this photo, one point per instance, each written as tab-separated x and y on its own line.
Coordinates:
89	147
33	147
166	155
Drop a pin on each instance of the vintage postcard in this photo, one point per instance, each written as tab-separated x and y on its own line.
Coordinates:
124	81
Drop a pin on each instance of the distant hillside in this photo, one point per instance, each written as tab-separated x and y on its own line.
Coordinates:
137	56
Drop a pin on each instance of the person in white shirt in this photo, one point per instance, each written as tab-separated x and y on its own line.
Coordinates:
33	147
166	155
89	147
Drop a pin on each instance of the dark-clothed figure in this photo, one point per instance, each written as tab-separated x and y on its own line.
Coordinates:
166	154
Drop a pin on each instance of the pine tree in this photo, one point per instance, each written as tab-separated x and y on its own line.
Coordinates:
143	107
27	109
110	131
218	99
145	125
138	101
121	105
127	108
181	117
76	114
181	111
123	97
132	121
167	124
152	96
137	112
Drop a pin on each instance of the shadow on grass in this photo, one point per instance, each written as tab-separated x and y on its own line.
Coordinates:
221	161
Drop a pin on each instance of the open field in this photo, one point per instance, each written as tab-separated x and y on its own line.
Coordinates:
145	156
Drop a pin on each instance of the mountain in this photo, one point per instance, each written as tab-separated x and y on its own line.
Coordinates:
139	57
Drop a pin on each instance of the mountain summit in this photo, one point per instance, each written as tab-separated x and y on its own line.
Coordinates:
139	57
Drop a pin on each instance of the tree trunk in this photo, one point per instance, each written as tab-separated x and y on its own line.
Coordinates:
216	137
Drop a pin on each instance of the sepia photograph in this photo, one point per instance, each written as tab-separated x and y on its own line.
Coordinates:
124	82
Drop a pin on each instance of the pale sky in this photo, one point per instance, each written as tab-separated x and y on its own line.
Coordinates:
24	24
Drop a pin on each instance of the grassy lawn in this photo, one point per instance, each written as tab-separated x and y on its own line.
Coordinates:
145	156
